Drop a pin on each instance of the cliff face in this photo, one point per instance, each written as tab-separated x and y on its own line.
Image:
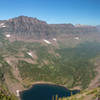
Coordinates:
71	29
28	26
24	26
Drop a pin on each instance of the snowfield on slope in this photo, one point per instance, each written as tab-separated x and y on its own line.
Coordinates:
46	41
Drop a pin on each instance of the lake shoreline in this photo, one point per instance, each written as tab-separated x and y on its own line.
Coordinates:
42	83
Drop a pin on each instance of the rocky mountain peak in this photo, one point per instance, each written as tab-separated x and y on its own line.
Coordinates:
25	19
24	25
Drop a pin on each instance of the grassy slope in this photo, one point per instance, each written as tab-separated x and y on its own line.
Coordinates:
92	94
5	95
67	69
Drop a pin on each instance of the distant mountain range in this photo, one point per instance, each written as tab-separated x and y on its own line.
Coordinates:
98	27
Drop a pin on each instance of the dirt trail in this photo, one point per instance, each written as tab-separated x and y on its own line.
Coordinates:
96	81
89	97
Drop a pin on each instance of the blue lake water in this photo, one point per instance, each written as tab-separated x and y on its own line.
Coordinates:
45	92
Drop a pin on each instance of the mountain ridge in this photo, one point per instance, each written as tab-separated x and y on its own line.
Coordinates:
33	28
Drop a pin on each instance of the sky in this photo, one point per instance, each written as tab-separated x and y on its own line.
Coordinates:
53	11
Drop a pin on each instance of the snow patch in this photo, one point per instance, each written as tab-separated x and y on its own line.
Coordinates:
54	39
30	54
8	35
46	41
3	26
76	38
17	93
